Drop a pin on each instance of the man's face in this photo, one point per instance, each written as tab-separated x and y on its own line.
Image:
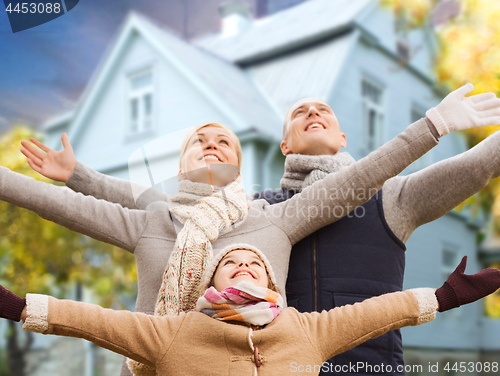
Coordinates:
313	129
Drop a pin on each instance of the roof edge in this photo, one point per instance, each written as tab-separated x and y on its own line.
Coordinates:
295	45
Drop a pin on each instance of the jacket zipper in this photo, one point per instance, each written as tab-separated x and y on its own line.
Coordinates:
315	276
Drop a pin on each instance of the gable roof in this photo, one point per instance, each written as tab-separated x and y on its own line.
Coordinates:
304	73
223	84
286	30
228	81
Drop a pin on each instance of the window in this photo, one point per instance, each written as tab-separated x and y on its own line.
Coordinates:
403	51
424	161
402	28
373	114
140	102
449	261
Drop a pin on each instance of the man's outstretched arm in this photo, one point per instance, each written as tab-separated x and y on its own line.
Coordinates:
413	200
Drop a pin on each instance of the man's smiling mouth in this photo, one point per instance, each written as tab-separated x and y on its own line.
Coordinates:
315	126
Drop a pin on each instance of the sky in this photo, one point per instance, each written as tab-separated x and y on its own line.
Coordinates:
44	70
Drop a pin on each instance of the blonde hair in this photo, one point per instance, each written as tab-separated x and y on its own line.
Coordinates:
195	130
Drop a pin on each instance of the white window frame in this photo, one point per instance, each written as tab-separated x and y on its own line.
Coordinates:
373	109
144	122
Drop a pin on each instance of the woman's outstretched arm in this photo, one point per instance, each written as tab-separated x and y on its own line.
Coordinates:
336	195
62	166
98	219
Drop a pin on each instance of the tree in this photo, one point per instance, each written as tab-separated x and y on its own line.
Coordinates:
39	256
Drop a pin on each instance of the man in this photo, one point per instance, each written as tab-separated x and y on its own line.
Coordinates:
363	254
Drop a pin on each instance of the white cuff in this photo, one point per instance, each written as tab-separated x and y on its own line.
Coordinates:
438	121
427	303
37	311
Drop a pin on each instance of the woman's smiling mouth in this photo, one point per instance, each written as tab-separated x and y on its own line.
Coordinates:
212	157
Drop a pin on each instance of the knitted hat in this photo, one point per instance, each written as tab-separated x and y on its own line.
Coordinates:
212	266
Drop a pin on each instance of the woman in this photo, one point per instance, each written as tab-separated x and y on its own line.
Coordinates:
240	326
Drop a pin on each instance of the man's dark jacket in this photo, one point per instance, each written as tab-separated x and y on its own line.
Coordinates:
345	262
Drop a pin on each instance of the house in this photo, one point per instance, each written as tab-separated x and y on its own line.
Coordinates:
152	84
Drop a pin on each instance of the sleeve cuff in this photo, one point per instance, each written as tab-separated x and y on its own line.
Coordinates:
437	120
37	312
79	179
427	304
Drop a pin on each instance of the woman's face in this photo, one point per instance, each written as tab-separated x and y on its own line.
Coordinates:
209	146
240	265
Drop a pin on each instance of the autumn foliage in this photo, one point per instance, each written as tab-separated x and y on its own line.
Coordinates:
469	51
468	33
39	256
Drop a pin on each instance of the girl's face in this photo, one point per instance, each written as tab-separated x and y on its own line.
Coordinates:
240	265
209	146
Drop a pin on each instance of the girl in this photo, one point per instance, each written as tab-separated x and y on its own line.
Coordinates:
239	326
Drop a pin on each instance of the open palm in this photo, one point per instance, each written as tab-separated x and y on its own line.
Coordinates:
55	165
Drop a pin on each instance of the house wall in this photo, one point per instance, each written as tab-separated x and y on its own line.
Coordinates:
457	329
402	90
380	22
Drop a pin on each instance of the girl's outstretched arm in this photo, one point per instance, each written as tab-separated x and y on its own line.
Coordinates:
353	324
136	335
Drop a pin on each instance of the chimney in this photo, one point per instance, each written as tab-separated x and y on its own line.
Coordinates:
235	16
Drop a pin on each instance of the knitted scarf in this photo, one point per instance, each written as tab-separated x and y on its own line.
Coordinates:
243	302
205	211
302	171
203	218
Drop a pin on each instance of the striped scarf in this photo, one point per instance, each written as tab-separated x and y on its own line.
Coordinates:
243	302
205	211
